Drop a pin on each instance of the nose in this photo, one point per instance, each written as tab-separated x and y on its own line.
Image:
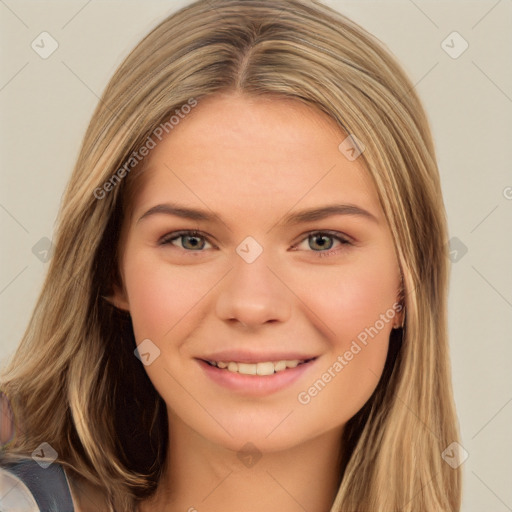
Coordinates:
253	295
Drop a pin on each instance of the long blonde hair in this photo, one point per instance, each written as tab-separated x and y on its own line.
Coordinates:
74	381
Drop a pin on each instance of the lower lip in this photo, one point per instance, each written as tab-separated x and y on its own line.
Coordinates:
255	385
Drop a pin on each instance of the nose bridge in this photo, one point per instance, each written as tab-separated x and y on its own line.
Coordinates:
252	294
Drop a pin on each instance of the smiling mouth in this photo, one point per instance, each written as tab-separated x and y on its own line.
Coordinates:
258	369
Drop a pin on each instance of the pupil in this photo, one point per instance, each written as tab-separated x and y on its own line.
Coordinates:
192	242
322	241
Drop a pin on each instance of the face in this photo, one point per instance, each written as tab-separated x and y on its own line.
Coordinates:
260	274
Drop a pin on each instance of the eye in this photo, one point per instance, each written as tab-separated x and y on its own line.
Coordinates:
324	242
188	240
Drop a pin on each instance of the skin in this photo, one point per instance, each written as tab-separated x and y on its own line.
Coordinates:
253	162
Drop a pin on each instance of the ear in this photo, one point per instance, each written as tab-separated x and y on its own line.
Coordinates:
118	298
400	306
399	316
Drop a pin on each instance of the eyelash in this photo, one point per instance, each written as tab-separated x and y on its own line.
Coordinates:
171	237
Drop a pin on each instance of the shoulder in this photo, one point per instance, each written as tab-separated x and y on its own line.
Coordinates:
14	494
30	486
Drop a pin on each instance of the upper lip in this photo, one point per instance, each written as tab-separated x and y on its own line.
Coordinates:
243	356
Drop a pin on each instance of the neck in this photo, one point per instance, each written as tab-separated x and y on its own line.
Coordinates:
204	477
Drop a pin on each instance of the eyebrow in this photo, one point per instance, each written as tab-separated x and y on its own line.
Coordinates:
303	216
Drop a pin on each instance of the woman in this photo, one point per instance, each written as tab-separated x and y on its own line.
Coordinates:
246	307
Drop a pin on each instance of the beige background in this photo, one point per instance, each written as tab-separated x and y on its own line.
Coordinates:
46	105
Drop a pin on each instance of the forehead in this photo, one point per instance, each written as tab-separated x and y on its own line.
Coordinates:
253	155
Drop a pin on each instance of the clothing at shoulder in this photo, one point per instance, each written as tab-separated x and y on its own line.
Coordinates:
34	486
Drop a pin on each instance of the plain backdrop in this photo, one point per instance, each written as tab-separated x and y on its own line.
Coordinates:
46	105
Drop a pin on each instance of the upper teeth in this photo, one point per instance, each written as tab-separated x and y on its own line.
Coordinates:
267	368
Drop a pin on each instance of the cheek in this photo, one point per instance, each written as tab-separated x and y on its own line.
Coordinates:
349	299
342	386
353	306
163	297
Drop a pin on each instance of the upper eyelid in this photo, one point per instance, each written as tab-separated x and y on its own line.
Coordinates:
328	232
